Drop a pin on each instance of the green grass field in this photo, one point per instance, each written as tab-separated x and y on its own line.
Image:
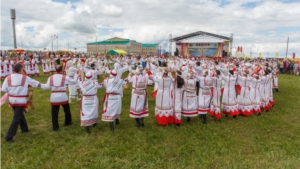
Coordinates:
271	140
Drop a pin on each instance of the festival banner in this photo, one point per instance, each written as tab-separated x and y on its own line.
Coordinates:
201	49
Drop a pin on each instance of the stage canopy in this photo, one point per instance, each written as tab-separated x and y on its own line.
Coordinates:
213	46
116	52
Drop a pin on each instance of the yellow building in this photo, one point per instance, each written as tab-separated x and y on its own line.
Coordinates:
102	47
150	49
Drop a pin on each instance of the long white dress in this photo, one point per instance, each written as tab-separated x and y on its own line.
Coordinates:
243	98
45	66
229	103
215	104
89	102
3	69
204	94
255	95
164	103
139	101
112	103
177	104
264	104
189	99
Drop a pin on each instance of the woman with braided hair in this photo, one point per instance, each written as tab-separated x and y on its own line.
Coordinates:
178	89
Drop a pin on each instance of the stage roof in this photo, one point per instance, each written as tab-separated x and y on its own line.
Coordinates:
200	33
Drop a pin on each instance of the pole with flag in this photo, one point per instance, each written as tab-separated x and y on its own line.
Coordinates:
277	54
287	47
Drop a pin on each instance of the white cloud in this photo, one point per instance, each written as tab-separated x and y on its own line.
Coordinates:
263	28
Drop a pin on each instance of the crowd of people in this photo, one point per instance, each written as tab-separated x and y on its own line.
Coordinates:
183	87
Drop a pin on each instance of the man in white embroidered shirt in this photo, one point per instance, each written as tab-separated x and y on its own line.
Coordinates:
16	85
57	83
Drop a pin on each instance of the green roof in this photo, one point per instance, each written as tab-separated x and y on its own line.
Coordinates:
149	45
112	41
109	43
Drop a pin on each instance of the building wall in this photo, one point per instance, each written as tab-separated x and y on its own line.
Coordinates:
132	47
150	50
135	48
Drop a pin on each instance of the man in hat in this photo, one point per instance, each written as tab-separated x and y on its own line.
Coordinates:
57	83
16	85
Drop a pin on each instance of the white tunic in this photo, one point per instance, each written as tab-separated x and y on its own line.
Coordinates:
89	103
112	104
189	99
16	85
57	83
139	101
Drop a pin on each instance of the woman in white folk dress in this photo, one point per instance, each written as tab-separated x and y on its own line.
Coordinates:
243	98
164	103
89	103
139	101
204	95
189	99
229	103
45	66
178	91
254	94
215	104
112	102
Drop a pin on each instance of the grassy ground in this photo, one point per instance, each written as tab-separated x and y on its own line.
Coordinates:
268	141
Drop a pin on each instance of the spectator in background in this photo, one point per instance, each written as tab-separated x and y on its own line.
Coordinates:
58	59
281	66
296	68
291	67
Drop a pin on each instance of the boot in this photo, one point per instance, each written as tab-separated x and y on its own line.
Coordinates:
117	121
95	124
188	119
142	122
138	123
112	127
234	116
277	90
200	116
87	129
204	119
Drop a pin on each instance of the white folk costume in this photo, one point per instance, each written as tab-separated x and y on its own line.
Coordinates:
36	67
243	98
254	94
204	94
215	104
89	102
177	104
16	86
189	98
139	101
51	65
71	71
57	83
3	69
164	103
45	67
264	103
112	103
229	103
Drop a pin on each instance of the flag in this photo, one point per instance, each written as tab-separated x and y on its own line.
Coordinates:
277	54
260	55
294	55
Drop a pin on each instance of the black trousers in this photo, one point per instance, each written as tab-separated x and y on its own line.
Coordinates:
197	87
18	119
68	117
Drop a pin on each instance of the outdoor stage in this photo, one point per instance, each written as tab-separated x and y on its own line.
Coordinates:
221	47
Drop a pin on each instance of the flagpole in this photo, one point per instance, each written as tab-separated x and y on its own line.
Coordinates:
287	47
